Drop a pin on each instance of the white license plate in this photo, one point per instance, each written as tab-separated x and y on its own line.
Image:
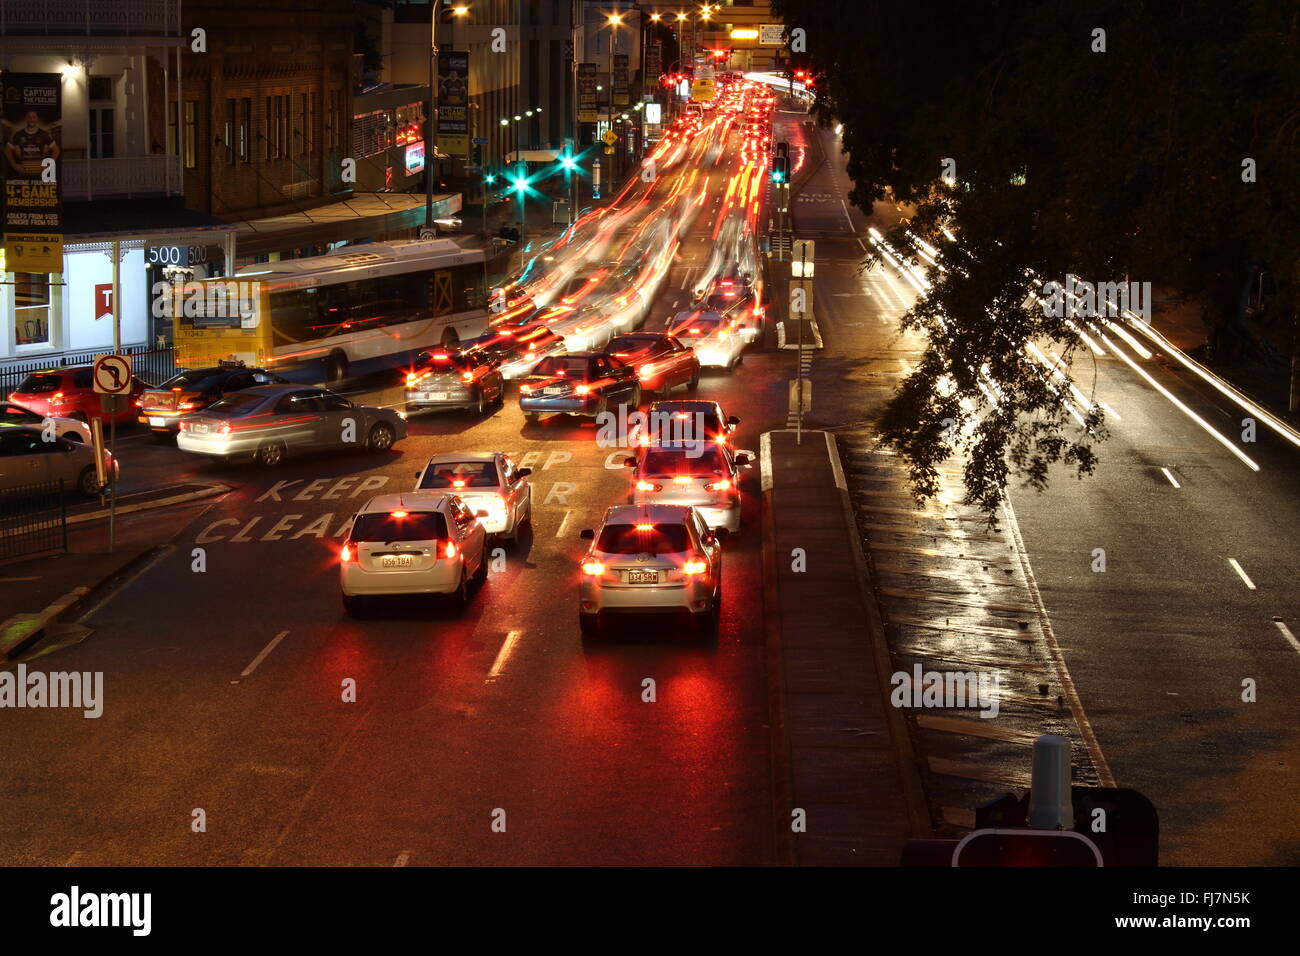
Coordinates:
643	577
396	561
557	390
157	422
438	396
200	428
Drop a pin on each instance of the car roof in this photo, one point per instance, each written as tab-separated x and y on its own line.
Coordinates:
462	456
61	370
280	388
579	355
658	514
687	404
405	501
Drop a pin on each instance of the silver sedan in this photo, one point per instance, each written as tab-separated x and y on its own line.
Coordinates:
271	421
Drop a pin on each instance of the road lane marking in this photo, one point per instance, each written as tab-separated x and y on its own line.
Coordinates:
1242	574
503	655
1286	632
403	858
559	532
9	580
1172	480
262	656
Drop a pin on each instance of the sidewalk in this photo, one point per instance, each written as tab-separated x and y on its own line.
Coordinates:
839	752
41	592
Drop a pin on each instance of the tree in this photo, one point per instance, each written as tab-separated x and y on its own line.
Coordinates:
1068	161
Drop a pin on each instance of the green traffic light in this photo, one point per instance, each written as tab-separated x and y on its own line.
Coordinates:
490	178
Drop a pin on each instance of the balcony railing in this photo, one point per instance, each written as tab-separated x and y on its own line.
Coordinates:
116	18
121	177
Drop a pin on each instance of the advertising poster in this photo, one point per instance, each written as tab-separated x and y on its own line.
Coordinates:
453	103
587	107
619	81
32	132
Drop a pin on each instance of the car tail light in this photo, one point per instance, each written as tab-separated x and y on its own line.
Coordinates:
139	403
225	429
722	485
647	371
467	376
525	389
397	514
185	406
648	486
695	567
411	379
531	355
594	568
583	389
345	553
458	483
56	398
450	550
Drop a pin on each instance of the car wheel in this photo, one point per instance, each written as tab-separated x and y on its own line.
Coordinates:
636	397
501	395
88	482
460	596
589	625
694	383
480	406
381	438
354	605
270	454
73	436
532	417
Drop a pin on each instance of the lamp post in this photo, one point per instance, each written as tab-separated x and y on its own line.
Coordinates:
615	20
431	138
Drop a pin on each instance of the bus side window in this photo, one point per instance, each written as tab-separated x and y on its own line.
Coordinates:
336	308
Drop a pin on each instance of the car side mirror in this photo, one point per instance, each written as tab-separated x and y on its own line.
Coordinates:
742	461
524	472
587	534
733	421
629	463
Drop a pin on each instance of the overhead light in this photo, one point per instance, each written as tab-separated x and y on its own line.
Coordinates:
744	34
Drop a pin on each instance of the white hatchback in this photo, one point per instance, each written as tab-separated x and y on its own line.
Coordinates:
487	481
412	543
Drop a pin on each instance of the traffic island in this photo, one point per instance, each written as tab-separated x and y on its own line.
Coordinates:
846	789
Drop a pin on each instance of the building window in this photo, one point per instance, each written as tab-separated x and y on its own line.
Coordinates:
313	134
228	136
286	145
191	133
33	307
102	117
304	124
245	123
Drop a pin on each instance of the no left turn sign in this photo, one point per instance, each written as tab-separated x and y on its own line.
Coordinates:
113	375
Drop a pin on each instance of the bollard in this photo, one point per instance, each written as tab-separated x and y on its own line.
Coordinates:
1050	804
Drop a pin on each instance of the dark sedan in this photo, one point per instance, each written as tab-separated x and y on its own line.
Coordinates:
661	362
580	383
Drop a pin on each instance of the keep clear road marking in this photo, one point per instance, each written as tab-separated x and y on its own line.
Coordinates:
1242	574
261	657
559	532
403	858
1286	632
503	655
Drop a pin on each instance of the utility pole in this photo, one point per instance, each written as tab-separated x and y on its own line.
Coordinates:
430	138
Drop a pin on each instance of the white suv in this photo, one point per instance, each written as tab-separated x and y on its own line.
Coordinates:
487	481
412	543
651	559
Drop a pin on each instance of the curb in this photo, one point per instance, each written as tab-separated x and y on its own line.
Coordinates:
38	623
779	755
918	809
101	514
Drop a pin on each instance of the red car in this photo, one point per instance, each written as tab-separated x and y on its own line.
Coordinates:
70	393
661	362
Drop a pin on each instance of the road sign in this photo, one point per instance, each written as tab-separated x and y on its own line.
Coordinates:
113	375
480	141
1026	848
609	150
610	137
427	233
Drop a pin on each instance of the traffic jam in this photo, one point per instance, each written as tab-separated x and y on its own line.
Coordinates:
589	336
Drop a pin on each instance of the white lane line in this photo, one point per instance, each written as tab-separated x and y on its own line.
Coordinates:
1242	574
403	858
1209	429
1172	480
846	214
1286	632
503	655
262	656
8	580
559	532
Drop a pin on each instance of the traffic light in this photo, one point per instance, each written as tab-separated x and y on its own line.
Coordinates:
780	169
783	149
490	178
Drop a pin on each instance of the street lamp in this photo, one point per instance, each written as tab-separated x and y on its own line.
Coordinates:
430	138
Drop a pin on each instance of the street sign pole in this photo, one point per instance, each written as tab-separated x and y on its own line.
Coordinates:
112	422
798	431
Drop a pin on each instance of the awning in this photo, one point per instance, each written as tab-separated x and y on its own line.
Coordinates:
533	156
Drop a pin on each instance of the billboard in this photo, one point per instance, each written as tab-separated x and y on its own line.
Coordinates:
588	111
771	34
453	103
653	64
32	133
619	81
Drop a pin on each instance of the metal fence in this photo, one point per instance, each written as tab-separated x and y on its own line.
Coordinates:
33	519
153	365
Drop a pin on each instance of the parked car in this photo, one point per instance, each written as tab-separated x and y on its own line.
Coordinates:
487	481
703	475
661	362
192	390
412	543
463	378
70	393
26	458
651	559
16	416
580	383
269	422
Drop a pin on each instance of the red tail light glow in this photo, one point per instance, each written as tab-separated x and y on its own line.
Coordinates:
225	429
467	376
722	485
450	550
458	483
648	486
397	514
345	554
594	568
695	567
583	389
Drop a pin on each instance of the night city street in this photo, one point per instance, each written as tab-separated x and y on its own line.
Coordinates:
584	434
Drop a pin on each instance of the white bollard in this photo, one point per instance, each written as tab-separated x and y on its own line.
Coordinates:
1050	806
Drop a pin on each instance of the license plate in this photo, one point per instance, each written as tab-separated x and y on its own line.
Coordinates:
556	390
202	429
396	561
157	422
643	577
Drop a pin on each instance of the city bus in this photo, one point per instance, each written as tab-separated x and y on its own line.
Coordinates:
324	318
